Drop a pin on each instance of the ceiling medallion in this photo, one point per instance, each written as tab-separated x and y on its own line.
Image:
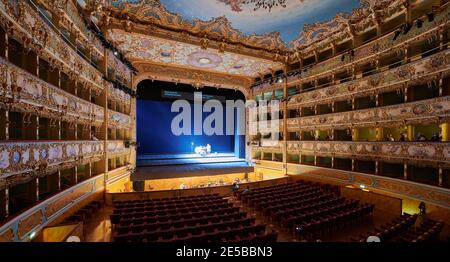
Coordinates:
266	4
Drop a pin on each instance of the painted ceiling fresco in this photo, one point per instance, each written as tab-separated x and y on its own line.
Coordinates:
288	21
144	48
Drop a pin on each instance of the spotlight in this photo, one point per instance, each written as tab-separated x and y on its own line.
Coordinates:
280	80
116	53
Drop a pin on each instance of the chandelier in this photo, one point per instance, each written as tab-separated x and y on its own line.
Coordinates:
266	4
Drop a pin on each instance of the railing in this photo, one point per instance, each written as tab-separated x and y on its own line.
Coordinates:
117	147
366	51
396	115
26	92
118	119
48	43
388	80
35	156
437	152
26	225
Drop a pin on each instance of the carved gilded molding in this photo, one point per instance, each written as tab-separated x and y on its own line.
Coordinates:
119	120
35	219
23	92
191	76
413	73
117	148
216	33
417	153
366	53
69	17
28	27
421	112
34	158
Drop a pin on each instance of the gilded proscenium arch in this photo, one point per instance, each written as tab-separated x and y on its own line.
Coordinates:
149	71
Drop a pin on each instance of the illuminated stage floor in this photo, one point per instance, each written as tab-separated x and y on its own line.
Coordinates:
185	159
188	165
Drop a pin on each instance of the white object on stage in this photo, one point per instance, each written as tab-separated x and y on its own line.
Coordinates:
203	150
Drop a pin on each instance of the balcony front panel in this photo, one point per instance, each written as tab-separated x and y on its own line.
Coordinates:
118	95
119	120
433	153
420	71
39	157
24	92
35	219
28	27
117	148
366	52
421	112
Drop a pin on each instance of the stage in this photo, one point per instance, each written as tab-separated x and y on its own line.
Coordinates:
165	166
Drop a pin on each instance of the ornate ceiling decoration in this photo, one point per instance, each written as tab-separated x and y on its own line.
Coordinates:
154	14
141	48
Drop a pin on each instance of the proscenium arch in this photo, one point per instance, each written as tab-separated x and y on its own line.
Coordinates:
138	79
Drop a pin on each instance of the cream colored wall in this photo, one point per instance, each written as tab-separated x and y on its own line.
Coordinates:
122	185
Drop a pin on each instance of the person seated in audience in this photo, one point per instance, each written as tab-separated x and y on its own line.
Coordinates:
93	137
183	186
390	138
421	137
436	137
403	137
247	190
235	188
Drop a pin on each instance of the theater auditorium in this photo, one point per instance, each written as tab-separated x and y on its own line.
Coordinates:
225	121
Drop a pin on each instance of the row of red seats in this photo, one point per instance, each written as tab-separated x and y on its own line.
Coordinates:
181	208
328	222
166	201
198	230
286	199
183	220
178	224
389	230
291	220
304	208
249	196
151	215
281	195
207	218
429	230
283	198
296	203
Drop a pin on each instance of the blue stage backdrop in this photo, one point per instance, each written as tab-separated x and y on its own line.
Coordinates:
154	135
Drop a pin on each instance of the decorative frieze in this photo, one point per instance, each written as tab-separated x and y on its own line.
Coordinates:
421	112
21	227
119	120
39	157
117	148
24	92
371	85
419	153
23	23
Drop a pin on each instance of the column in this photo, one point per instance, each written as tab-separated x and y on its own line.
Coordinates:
445	129
355	134
440	176
37	189
353	165
379	134
377	167
410	133
285	115
405	171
